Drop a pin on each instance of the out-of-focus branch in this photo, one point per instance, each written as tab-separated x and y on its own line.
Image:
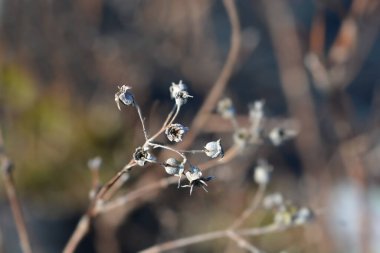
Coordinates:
295	85
294	82
223	78
213	236
6	169
251	208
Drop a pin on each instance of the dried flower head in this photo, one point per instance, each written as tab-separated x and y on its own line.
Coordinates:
262	172
142	156
274	200
302	216
125	96
174	167
213	149
279	135
242	137
194	175
175	132
179	93
283	216
256	111
225	108
94	163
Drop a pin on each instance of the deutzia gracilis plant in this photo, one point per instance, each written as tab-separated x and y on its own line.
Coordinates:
174	132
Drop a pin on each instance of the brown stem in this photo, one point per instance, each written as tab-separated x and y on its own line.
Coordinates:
221	82
14	202
251	208
212	236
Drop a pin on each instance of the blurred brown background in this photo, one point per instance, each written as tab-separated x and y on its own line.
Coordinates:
314	61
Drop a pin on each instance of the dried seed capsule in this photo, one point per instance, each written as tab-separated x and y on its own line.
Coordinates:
175	132
173	167
125	96
179	93
225	108
262	172
214	149
273	200
194	175
279	135
141	156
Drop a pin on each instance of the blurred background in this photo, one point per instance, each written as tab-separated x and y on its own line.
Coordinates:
314	62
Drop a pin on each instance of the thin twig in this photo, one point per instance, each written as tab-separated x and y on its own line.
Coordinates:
142	121
6	168
84	223
225	74
251	208
213	236
242	243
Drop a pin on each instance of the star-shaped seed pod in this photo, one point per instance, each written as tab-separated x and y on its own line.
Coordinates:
174	167
179	93
175	132
194	175
214	149
142	156
125	96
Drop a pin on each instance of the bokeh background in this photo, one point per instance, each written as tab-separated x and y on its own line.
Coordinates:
315	62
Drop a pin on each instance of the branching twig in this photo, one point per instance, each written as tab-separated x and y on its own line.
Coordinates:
6	168
165	182
251	208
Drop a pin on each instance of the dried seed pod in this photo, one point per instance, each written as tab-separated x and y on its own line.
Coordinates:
194	175
173	167
273	200
175	132
214	149
279	135
242	137
225	108
142	156
179	93
262	172
125	96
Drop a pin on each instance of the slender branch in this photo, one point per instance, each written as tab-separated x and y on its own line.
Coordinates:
213	236
155	145
142	121
6	168
251	208
167	122
84	223
225	74
242	243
